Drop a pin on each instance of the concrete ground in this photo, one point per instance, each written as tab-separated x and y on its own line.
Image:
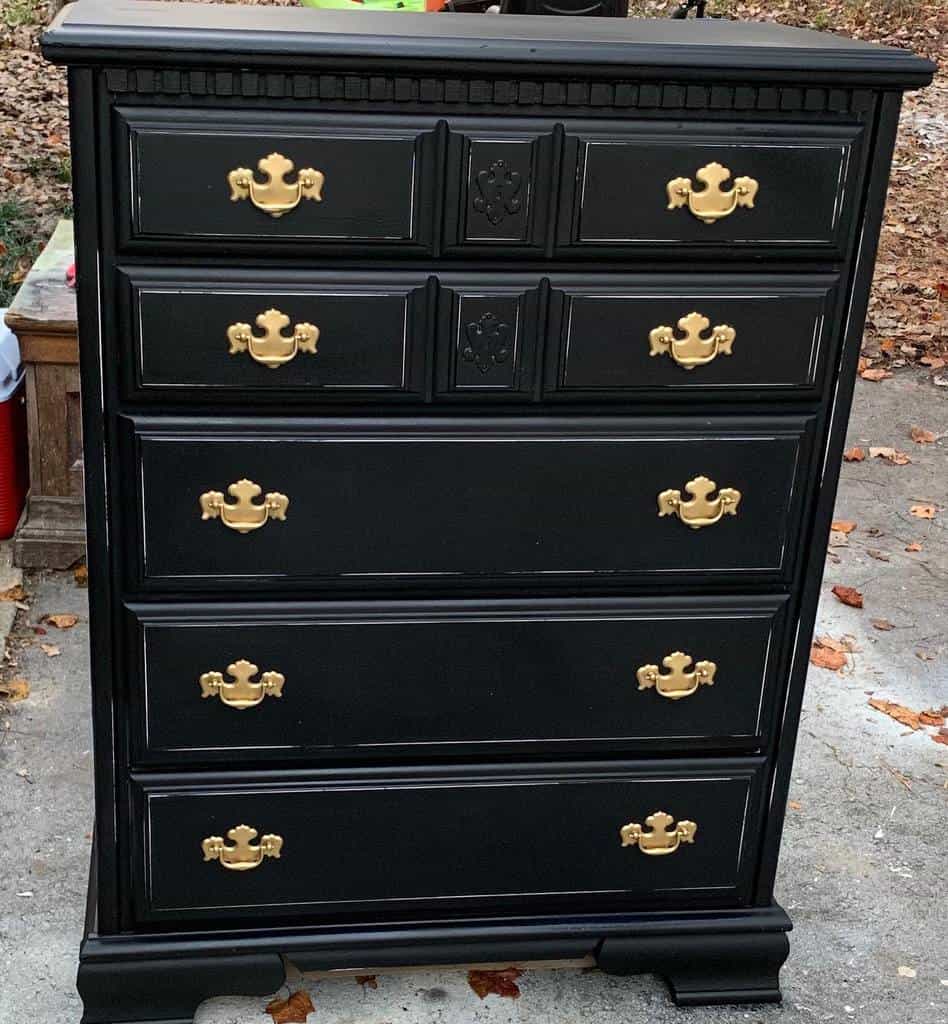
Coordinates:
863	867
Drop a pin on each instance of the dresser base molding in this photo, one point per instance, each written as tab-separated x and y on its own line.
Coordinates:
705	957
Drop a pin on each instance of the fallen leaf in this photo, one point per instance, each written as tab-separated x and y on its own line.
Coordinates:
874	374
14	690
367	980
924	655
825	657
934	362
902	714
499	983
294	1010
892	455
922	436
795	805
932	716
907	972
882	624
845	643
50	650
848	595
922	511
941	736
875	553
914	546
81	576
854	454
62	620
14	593
843	526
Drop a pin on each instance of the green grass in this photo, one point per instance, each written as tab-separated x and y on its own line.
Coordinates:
20	243
14	13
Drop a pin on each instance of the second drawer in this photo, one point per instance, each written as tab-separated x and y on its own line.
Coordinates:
219	682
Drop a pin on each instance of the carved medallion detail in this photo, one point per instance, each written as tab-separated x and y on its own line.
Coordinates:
487	342
499	189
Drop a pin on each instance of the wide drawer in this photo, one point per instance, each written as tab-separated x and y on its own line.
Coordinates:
709	186
243	504
354	181
688	334
487	837
373	680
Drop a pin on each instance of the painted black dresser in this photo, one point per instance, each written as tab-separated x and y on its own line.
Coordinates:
463	402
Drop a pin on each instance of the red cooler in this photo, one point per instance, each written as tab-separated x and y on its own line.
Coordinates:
14	465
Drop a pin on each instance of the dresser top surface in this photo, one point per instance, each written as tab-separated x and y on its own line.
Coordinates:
91	31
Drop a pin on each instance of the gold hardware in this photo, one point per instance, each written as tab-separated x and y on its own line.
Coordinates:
274	348
242	856
702	510
711	203
243	516
692	350
661	837
275	196
242	693
677	683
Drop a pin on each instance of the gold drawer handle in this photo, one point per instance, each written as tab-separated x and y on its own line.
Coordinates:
243	855
661	838
677	682
242	693
692	350
275	195
243	515
711	203
274	348
702	510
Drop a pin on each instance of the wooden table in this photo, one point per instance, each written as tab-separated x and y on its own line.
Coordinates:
51	534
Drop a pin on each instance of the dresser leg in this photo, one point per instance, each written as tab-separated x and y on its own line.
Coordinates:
133	991
704	969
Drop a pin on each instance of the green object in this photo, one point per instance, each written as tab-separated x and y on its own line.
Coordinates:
366	5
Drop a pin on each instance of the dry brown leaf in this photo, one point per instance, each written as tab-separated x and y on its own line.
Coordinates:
14	690
932	716
825	657
874	374
855	454
892	455
845	643
367	980
62	620
50	650
897	711
933	362
879	556
922	436
294	1010
795	805
843	526
848	595
925	656
882	624
14	593
914	546
500	983
941	736
81	576
923	511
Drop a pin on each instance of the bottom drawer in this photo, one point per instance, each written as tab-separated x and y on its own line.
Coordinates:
516	837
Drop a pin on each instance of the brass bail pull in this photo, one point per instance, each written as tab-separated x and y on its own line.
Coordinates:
701	510
660	836
677	682
273	348
711	203
275	195
244	855
244	514
694	349
242	692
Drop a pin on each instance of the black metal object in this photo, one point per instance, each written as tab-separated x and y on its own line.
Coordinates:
498	507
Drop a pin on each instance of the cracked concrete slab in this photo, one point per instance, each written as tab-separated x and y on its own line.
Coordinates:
863	865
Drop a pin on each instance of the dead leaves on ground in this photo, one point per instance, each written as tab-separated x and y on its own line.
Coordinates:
924	511
893	455
62	620
932	718
843	526
293	1010
14	690
499	983
14	593
882	624
848	595
829	653
367	980
922	436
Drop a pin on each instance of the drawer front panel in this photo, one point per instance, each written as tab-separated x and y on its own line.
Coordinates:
515	838
806	187
466	679
371	178
385	503
692	335
344	337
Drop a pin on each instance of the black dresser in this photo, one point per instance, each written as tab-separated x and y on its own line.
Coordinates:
464	398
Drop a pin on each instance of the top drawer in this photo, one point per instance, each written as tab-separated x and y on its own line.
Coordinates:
360	182
709	187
